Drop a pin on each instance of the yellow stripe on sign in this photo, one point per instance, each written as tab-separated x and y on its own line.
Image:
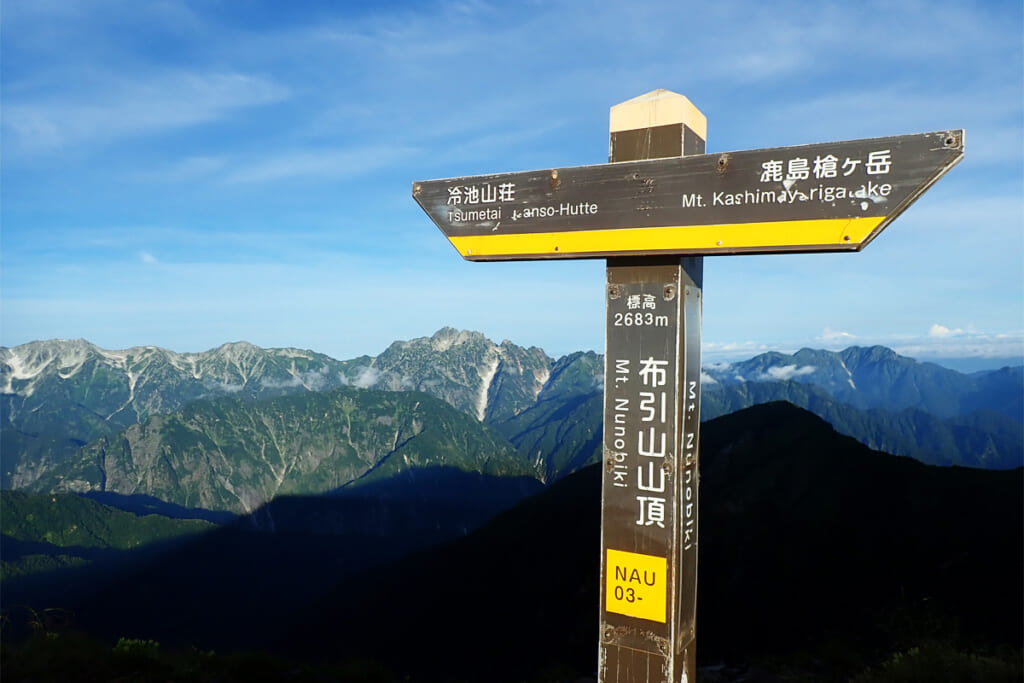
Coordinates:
708	238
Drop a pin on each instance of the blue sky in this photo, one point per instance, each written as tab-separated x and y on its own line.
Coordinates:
184	174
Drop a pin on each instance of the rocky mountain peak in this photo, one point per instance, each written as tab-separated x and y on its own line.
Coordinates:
236	351
447	337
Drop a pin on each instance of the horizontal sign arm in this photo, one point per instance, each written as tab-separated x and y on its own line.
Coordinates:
833	196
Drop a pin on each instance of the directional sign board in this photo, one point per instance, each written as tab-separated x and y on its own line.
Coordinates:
654	213
834	196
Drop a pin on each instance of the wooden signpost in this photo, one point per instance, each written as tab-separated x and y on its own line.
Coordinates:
654	212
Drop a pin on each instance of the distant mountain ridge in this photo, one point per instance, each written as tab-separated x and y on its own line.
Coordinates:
878	377
57	397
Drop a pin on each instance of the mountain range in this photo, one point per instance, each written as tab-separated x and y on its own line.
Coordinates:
230	428
877	377
57	396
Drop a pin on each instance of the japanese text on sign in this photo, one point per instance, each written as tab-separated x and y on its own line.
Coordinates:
642	450
486	193
800	168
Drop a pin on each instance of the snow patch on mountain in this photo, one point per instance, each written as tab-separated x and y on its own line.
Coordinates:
850	380
133	379
295	353
22	368
71	353
68	373
118	359
485	387
28	361
185	362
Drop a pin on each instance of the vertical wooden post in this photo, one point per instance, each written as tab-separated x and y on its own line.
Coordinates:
651	426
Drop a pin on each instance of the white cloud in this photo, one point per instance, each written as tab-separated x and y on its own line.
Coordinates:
225	387
942	331
366	378
729	347
943	342
787	372
280	384
937	343
831	337
147	257
718	354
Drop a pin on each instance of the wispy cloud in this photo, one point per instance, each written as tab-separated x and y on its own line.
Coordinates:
187	169
327	163
786	372
959	344
937	342
101	108
366	378
832	337
942	332
718	351
897	108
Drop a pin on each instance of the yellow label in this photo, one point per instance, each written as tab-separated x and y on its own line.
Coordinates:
636	585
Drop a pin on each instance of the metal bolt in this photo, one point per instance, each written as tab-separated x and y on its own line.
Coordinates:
670	292
614	291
